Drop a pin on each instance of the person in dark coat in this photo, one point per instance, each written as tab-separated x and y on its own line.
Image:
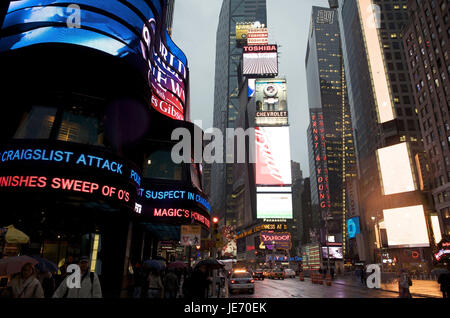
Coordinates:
444	281
196	286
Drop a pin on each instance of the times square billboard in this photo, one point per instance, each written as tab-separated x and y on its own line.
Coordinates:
273	173
132	30
271	102
260	60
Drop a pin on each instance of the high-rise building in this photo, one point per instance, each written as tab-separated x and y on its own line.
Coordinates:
387	134
169	15
425	42
226	101
330	134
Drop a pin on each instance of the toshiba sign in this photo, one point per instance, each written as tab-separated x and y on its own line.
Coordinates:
260	48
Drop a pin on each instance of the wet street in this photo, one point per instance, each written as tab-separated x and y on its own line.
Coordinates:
294	288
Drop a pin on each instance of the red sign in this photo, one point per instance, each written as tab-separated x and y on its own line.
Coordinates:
181	214
319	147
166	109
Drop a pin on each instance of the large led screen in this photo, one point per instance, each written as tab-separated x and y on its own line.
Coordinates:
436	228
335	252
274	205
406	227
273	157
260	60
125	29
377	66
353	227
270	95
396	169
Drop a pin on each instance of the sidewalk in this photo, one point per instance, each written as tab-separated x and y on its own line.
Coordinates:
419	288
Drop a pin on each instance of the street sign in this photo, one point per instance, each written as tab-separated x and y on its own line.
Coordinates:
190	235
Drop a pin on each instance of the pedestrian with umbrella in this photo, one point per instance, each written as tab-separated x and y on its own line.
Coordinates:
25	284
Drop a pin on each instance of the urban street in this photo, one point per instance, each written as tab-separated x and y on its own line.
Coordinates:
187	149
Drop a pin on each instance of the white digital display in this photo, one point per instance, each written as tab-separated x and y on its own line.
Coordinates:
396	169
436	228
406	227
273	156
274	205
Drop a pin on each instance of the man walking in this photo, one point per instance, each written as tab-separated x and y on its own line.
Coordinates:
444	281
90	284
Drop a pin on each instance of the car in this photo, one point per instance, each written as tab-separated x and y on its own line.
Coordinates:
289	273
277	273
266	273
241	280
258	274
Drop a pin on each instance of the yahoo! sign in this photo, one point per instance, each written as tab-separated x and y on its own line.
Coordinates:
281	240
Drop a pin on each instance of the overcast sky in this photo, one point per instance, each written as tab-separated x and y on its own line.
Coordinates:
194	31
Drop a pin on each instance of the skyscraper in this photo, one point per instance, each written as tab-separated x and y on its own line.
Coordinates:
331	148
226	102
426	48
387	135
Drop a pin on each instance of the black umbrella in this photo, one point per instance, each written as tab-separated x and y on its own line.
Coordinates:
210	263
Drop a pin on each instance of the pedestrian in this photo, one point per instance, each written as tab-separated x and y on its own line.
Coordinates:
155	285
363	276
332	272
89	284
171	284
196	286
404	282
138	281
444	281
63	269
25	284
48	283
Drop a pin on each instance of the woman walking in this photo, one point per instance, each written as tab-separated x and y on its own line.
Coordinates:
25	284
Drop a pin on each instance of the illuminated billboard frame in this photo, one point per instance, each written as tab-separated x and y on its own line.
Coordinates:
273	158
406	227
396	169
260	60
274	205
353	227
377	66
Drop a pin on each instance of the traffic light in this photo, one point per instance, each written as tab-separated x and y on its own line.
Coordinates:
215	233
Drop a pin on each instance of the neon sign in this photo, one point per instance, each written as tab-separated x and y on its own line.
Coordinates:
65	184
174	194
181	214
69	157
320	158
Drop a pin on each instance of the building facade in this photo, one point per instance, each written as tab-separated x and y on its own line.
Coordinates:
384	118
331	148
87	160
425	41
226	92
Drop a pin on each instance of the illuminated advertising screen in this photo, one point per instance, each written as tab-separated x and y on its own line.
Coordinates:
123	29
353	227
273	158
251	87
406	227
260	60
279	240
436	228
377	66
274	205
242	33
271	102
396	169
335	252
257	36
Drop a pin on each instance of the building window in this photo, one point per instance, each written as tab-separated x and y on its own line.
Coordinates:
79	127
37	124
159	165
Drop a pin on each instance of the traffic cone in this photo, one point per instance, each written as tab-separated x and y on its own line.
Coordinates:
328	280
301	277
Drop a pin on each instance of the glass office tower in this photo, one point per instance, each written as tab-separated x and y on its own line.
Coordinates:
327	99
226	101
